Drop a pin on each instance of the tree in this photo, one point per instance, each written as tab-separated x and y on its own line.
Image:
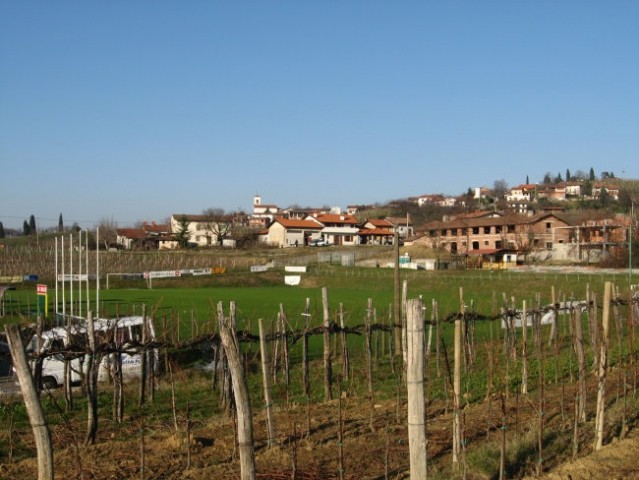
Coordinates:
547	178
558	178
500	187
32	225
527	180
592	177
218	224
60	224
568	175
25	228
1	230
108	231
182	235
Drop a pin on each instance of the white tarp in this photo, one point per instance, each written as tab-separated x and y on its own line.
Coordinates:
292	279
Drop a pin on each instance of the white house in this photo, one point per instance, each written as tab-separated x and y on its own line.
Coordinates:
286	232
200	227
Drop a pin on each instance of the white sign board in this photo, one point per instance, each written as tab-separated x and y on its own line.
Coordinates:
163	274
295	269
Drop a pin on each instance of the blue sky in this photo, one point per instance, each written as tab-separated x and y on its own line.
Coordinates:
134	110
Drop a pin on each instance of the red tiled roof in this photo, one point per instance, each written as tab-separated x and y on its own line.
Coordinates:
132	233
294	223
380	222
337	219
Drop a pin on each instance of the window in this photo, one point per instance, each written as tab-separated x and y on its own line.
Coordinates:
475	230
475	245
498	244
549	245
498	229
486	243
453	247
511	229
487	230
548	225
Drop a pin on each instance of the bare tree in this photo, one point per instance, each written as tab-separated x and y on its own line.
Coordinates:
108	230
218	225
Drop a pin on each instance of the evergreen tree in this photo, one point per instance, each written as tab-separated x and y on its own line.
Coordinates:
568	175
592	177
60	224
183	235
32	225
25	228
527	180
558	178
1	230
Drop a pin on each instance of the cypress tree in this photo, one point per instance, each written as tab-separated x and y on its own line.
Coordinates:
25	228
32	225
60	224
1	230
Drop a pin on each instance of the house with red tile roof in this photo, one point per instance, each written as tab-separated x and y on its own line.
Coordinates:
286	232
377	231
339	229
150	236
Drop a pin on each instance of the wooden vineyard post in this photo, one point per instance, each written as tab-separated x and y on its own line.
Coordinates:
457	427
369	361
267	385
603	370
396	299
524	349
242	400
579	349
285	352
404	326
415	388
345	359
38	423
328	370
552	336
305	370
93	365
143	359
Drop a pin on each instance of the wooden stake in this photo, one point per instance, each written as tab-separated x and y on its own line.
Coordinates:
603	370
243	402
328	370
268	402
415	388
38	423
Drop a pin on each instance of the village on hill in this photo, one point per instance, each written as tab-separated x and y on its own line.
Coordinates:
579	219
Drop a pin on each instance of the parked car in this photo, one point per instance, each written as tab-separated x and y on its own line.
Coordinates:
319	242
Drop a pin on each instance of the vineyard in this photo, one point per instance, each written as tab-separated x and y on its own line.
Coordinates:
329	399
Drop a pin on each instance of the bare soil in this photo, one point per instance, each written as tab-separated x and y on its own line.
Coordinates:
372	443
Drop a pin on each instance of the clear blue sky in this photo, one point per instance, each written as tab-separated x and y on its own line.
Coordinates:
134	110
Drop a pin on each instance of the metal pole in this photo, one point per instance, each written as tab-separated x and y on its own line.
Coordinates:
86	261
97	272
56	282
64	308
71	274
